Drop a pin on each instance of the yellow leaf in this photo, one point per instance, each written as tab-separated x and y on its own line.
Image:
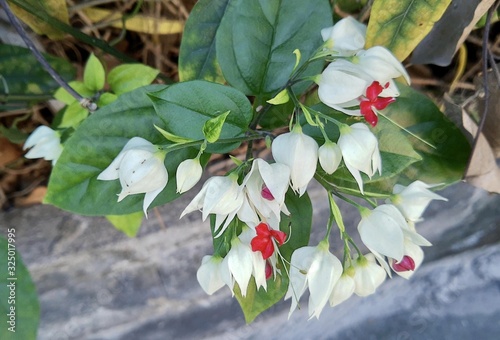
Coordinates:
400	25
138	23
55	8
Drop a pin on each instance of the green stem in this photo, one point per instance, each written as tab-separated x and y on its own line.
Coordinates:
174	147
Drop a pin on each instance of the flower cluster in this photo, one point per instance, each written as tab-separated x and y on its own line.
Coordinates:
251	222
358	82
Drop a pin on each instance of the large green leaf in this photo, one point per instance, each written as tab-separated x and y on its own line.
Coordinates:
197	58
19	305
256	40
446	162
400	25
180	109
73	183
298	227
185	107
16	88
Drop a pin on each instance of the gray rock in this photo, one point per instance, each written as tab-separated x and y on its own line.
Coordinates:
95	283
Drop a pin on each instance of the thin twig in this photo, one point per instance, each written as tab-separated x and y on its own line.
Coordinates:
484	55
86	103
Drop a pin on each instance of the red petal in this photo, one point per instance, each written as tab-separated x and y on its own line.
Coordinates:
381	103
268	251
266	194
366	110
263	230
404	265
259	243
269	270
279	236
374	90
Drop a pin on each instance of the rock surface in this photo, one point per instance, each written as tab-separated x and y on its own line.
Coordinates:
95	283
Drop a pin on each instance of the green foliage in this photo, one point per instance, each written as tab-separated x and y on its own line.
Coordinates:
400	25
121	79
27	308
185	107
17	90
128	77
73	184
256	40
197	57
129	224
213	127
298	228
94	76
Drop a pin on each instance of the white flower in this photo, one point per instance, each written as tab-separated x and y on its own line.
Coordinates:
266	185
346	37
140	168
316	268
220	195
381	230
44	143
300	153
343	289
188	174
382	66
330	156
258	262
240	261
360	151
344	83
341	85
367	276
213	274
413	199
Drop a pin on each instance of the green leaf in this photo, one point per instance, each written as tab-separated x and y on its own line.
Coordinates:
129	224
281	98
93	74
197	59
106	98
257	301
447	162
213	127
185	107
62	95
128	77
73	184
171	137
400	25
73	115
256	40
18	285
16	88
298	227
277	116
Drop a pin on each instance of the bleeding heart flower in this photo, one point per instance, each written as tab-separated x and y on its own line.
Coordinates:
265	240
372	102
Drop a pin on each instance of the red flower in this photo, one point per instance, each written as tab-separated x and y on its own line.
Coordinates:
372	101
406	264
264	242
